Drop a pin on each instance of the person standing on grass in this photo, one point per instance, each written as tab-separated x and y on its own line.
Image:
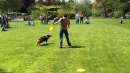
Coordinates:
81	18
41	18
77	16
1	21
47	20
64	24
5	19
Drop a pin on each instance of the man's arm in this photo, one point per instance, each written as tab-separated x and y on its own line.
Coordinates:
57	21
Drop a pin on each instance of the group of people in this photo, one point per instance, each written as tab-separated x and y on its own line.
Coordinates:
4	21
28	23
79	19
44	19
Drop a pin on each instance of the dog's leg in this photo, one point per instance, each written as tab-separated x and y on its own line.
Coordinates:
46	41
37	43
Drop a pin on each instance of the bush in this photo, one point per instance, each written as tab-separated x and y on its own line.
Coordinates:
60	12
53	15
117	14
71	15
35	14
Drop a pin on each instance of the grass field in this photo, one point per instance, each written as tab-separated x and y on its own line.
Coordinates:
101	47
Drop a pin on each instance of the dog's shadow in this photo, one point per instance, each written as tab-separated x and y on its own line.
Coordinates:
46	44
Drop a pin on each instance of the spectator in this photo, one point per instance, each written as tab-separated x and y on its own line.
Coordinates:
47	20
1	21
44	18
28	23
41	19
121	22
33	23
81	18
4	19
77	18
55	19
87	21
3	29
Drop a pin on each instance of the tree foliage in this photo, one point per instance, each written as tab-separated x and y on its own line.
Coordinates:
85	7
6	5
46	2
108	6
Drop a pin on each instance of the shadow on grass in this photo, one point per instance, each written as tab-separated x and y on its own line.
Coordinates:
4	71
74	47
77	46
46	44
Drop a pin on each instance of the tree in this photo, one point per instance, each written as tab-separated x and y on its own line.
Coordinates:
124	5
109	6
95	9
31	8
6	5
46	2
58	2
103	5
73	5
71	1
85	7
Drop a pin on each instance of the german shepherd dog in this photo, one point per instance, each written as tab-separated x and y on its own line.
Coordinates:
43	39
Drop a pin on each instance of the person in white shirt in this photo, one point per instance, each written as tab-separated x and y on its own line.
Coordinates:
77	16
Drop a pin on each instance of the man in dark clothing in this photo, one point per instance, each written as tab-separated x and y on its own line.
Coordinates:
1	21
5	19
64	24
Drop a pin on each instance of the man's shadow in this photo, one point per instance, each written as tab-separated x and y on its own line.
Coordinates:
77	46
4	71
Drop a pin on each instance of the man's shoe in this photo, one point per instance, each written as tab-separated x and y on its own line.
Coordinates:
60	47
69	44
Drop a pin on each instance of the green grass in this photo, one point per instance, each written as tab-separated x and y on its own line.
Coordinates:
101	47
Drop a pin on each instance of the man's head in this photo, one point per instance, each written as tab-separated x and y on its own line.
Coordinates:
65	15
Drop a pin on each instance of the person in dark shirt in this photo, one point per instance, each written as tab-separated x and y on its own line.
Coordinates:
81	18
64	24
1	21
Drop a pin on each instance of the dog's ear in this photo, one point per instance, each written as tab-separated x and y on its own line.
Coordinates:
49	35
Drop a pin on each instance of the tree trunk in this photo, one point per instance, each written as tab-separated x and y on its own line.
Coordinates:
124	14
105	12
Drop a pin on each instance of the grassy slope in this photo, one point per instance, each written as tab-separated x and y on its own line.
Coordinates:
101	47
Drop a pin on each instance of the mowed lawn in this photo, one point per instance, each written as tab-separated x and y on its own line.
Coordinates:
101	47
